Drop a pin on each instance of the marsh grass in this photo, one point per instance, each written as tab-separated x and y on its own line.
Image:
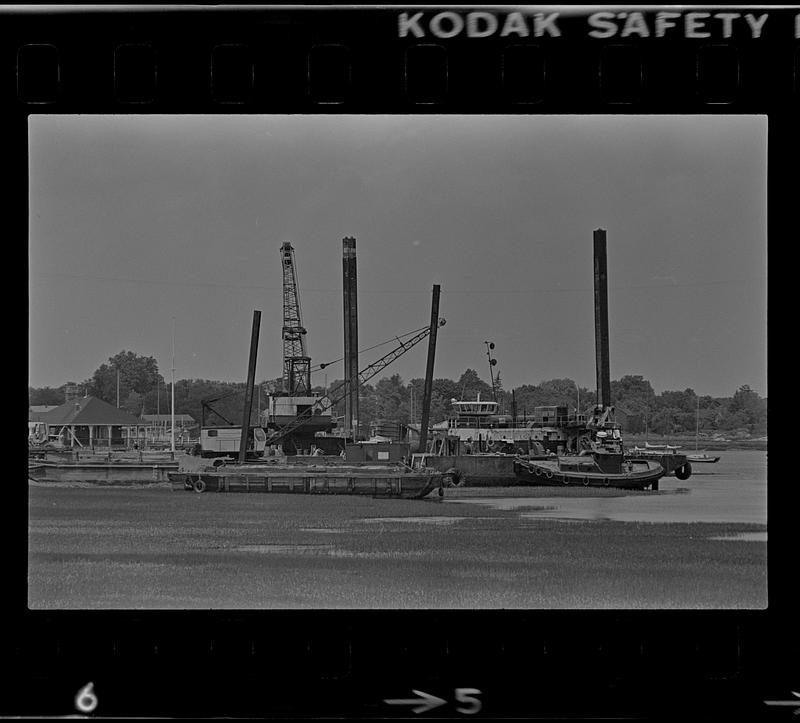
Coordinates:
148	548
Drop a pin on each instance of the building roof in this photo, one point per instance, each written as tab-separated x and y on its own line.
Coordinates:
179	418
88	411
36	412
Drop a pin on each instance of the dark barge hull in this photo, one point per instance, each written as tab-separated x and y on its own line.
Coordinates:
548	475
673	464
409	486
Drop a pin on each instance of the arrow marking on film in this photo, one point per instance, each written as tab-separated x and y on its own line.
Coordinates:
791	703
424	704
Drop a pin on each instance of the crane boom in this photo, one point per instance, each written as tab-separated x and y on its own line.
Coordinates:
296	362
340	391
205	405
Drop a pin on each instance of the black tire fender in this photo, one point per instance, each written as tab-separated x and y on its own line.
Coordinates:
199	485
585	481
684	472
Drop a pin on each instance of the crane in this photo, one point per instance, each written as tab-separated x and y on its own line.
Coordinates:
296	362
340	391
206	406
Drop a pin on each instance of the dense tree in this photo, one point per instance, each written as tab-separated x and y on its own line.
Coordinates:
746	411
124	373
143	390
46	396
470	385
633	392
389	397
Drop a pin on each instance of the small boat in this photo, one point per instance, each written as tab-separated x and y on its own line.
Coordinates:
702	458
599	468
697	456
660	447
655	449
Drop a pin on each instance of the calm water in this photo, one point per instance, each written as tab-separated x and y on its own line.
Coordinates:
732	490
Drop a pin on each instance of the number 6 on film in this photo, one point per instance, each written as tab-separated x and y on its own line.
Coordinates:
465	695
86	700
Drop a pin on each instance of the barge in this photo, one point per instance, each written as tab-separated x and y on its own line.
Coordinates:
101	468
673	462
373	480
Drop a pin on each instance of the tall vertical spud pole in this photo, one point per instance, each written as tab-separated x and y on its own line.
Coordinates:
251	379
426	393
350	298
601	319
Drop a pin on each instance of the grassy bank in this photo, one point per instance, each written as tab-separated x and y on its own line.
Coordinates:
152	548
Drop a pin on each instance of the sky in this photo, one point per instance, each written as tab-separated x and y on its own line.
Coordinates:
141	225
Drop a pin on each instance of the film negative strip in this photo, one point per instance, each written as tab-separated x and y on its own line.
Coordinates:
97	654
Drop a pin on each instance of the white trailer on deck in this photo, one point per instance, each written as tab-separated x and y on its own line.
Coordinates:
225	441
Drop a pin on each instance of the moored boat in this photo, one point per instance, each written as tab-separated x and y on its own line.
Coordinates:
708	458
597	468
673	462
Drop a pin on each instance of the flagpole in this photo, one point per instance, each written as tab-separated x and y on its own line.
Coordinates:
172	401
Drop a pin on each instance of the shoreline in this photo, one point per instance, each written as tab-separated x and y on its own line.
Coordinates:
704	445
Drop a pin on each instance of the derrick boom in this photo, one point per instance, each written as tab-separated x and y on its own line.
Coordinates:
296	362
342	390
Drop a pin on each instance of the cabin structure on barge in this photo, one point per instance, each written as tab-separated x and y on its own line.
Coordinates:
478	427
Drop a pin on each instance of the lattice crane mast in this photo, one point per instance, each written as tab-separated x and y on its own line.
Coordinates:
296	362
340	391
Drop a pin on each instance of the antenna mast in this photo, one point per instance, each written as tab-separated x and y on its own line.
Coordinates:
492	363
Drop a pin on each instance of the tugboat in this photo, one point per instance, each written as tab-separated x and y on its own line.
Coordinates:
602	462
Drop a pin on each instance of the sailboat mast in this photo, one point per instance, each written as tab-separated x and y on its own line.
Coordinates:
697	425
172	395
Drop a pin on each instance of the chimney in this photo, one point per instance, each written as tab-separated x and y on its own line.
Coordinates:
70	392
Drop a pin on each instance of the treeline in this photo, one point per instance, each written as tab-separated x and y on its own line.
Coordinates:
136	382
